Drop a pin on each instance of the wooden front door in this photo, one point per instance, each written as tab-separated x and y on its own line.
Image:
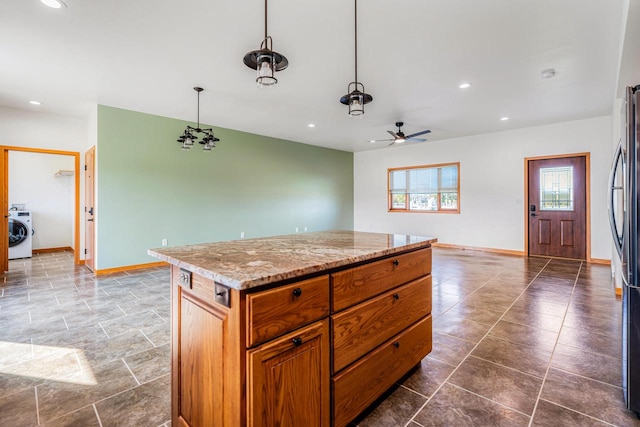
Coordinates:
557	207
89	209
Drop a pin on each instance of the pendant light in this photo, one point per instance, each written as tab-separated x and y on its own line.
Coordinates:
265	60
188	137
356	97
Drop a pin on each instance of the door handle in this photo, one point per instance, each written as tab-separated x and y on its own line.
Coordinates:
534	214
91	211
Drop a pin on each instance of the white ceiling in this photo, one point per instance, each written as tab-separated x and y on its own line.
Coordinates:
147	55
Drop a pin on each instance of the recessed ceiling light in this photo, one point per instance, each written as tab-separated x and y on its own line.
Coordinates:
311	125
504	119
464	85
56	4
35	102
548	73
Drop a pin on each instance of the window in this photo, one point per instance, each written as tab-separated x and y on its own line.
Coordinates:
432	188
556	189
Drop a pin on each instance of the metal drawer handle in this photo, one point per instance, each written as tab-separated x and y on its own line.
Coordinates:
396	296
396	344
297	341
396	262
297	292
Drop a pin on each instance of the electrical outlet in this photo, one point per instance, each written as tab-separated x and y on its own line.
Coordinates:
242	234
164	242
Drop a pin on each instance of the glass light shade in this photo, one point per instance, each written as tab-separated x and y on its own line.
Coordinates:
400	140
356	105
266	69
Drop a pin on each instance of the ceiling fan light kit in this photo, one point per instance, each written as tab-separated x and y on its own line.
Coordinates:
356	98
189	136
399	137
265	60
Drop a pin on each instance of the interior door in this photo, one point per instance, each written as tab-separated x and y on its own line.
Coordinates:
557	207
89	209
4	205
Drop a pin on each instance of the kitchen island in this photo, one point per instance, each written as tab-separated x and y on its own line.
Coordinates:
304	329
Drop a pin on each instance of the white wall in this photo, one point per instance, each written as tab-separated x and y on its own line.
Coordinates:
50	199
33	129
491	182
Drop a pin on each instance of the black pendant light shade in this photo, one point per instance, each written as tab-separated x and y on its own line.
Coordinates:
189	136
265	60
356	97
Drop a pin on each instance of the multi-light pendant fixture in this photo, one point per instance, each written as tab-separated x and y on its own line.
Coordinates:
188	137
356	97
265	60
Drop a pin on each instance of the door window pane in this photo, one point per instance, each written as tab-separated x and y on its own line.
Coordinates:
556	189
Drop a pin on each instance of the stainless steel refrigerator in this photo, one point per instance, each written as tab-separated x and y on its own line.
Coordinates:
624	210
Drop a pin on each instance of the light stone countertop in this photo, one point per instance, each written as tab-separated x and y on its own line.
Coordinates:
245	264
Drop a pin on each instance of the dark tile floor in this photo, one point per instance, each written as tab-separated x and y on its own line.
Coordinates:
516	341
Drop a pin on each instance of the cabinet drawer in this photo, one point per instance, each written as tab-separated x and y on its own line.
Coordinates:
361	328
357	284
274	312
361	384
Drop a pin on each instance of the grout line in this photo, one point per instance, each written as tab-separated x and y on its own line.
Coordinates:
478	343
156	313
87	304
491	400
35	389
130	371
30	321
134	295
125	313
65	322
145	335
555	344
101	327
57	300
586	378
578	412
97	415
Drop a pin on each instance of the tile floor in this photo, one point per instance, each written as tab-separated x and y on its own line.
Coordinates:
516	341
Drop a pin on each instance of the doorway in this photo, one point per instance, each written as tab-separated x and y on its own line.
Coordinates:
557	221
4	184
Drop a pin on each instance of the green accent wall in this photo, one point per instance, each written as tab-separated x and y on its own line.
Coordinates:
148	189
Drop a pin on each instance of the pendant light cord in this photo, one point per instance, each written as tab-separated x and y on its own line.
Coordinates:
198	127
356	35
265	19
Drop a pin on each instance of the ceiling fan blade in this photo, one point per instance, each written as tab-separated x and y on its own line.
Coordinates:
418	133
380	140
393	134
416	139
392	142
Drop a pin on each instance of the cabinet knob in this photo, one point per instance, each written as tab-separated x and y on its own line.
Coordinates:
396	296
297	292
396	344
297	341
396	262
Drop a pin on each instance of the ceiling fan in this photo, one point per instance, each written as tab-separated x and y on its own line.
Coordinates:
399	137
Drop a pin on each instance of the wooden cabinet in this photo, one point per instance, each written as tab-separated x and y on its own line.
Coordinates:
288	379
274	312
313	352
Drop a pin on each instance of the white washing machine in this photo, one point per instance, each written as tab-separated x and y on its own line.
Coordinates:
20	235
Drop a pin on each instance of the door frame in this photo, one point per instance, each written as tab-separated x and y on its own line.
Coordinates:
4	203
587	189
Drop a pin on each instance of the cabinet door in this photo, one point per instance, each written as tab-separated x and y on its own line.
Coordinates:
288	379
198	379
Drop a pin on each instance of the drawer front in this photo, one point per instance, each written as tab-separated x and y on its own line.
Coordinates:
360	329
361	384
357	284
277	311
